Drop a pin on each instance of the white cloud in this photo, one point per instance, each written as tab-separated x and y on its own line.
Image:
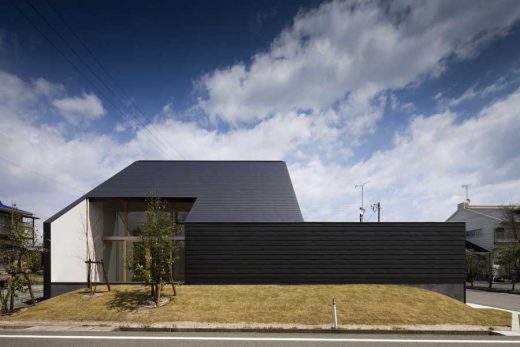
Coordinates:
76	110
476	92
323	84
350	52
120	128
46	88
419	178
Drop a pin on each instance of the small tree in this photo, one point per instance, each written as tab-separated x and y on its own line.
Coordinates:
511	219
474	264
491	270
17	255
509	258
511	254
153	259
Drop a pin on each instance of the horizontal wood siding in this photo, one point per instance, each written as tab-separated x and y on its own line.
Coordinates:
325	253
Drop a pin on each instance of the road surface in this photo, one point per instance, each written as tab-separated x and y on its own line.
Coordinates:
499	300
134	339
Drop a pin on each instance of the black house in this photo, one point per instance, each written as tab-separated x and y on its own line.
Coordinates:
242	224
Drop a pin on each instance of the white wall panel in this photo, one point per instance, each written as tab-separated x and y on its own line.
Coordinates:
69	246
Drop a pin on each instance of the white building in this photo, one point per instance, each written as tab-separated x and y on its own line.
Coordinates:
483	225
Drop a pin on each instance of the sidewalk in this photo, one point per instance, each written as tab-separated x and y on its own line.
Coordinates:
515	320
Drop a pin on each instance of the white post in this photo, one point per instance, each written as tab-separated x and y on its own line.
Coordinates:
334	315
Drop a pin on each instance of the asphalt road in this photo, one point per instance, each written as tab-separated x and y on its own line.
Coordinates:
500	300
128	339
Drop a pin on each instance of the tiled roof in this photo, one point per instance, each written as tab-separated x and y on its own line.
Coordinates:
225	191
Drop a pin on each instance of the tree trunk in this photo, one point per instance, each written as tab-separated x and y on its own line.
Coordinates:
472	283
171	279
158	295
491	272
29	286
11	299
4	296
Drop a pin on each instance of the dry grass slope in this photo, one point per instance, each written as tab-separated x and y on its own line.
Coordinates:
298	304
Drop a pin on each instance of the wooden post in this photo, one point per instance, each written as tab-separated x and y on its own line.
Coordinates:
105	276
89	279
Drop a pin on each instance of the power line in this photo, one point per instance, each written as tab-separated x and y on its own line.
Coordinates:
77	68
92	71
105	71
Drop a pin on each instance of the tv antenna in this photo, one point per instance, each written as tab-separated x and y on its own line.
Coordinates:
466	187
361	209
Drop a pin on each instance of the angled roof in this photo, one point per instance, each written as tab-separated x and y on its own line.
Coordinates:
491	211
494	212
10	209
224	191
475	248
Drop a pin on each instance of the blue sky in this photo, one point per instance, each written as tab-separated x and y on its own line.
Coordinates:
415	97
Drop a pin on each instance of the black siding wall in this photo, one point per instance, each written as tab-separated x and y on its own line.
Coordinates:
427	254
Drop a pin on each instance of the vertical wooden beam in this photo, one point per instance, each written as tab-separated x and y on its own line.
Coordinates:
124	242
126	217
124	261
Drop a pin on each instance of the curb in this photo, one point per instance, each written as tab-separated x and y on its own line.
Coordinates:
311	331
495	290
172	328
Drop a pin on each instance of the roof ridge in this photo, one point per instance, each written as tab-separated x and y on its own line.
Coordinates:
213	161
485	206
482	214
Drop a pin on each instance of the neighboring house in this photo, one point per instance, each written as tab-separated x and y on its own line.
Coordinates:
241	223
7	213
484	230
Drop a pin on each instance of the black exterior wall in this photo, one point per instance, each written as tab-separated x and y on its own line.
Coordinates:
46	260
429	255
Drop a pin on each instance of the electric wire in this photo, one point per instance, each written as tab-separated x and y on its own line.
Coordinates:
79	70
104	70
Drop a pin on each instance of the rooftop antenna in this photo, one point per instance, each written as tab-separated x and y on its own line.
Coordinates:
361	209
466	187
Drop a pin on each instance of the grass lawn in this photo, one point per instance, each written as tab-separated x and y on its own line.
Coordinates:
296	304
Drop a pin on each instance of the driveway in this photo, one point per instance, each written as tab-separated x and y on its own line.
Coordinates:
499	300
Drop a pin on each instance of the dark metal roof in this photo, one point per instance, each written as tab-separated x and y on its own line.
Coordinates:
475	248
225	191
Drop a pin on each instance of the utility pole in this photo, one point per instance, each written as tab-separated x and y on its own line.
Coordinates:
361	209
377	206
466	186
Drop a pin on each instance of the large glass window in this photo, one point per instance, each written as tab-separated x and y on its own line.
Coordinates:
123	219
114	260
120	257
136	217
114	218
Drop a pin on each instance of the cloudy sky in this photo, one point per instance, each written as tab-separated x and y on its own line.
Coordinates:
414	97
